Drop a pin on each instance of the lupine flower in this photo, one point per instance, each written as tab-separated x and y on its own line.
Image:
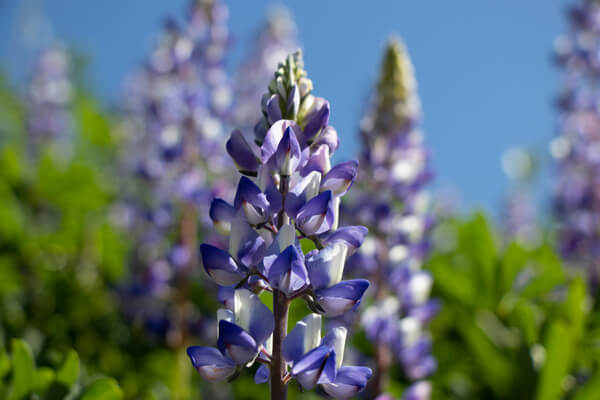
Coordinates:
395	166
577	199
49	97
176	111
274	41
282	199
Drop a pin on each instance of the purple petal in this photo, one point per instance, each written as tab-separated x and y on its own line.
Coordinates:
225	296
352	236
304	337
245	244
425	312
220	266
319	161
301	191
260	130
241	153
340	298
425	367
274	198
340	178
221	213
253	315
316	120
329	137
348	382
250	198
317	215
285	237
273	109
418	391
274	136
328	372
236	343
288	272
262	374
308	369
288	153
210	363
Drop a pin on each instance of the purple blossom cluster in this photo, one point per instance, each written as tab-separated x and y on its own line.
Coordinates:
176	108
287	199
275	40
49	98
577	148
395	166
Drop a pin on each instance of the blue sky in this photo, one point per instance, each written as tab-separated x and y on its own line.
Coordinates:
484	68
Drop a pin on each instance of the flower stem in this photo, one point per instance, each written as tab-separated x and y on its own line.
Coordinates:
281	307
278	367
383	362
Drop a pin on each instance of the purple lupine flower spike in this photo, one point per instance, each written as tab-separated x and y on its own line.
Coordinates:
294	196
394	164
175	112
576	195
49	97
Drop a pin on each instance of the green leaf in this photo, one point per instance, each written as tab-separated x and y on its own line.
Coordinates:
477	240
44	377
493	363
4	363
102	389
23	370
307	245
69	371
559	353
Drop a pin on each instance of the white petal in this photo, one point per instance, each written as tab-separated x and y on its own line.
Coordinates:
286	237
339	343
420	287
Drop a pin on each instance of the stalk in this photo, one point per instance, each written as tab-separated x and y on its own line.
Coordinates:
280	313
278	368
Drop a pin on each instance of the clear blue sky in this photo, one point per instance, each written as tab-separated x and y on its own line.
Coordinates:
484	67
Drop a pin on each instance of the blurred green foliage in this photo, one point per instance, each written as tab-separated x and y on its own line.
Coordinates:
20	379
513	323
62	258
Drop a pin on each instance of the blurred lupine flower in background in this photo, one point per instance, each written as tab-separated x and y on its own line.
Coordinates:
287	199
176	107
49	98
577	148
275	40
519	212
395	166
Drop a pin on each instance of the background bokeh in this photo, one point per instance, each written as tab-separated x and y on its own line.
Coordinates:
484	71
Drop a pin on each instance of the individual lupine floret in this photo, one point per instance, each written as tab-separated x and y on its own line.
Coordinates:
395	163
242	335
288	193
